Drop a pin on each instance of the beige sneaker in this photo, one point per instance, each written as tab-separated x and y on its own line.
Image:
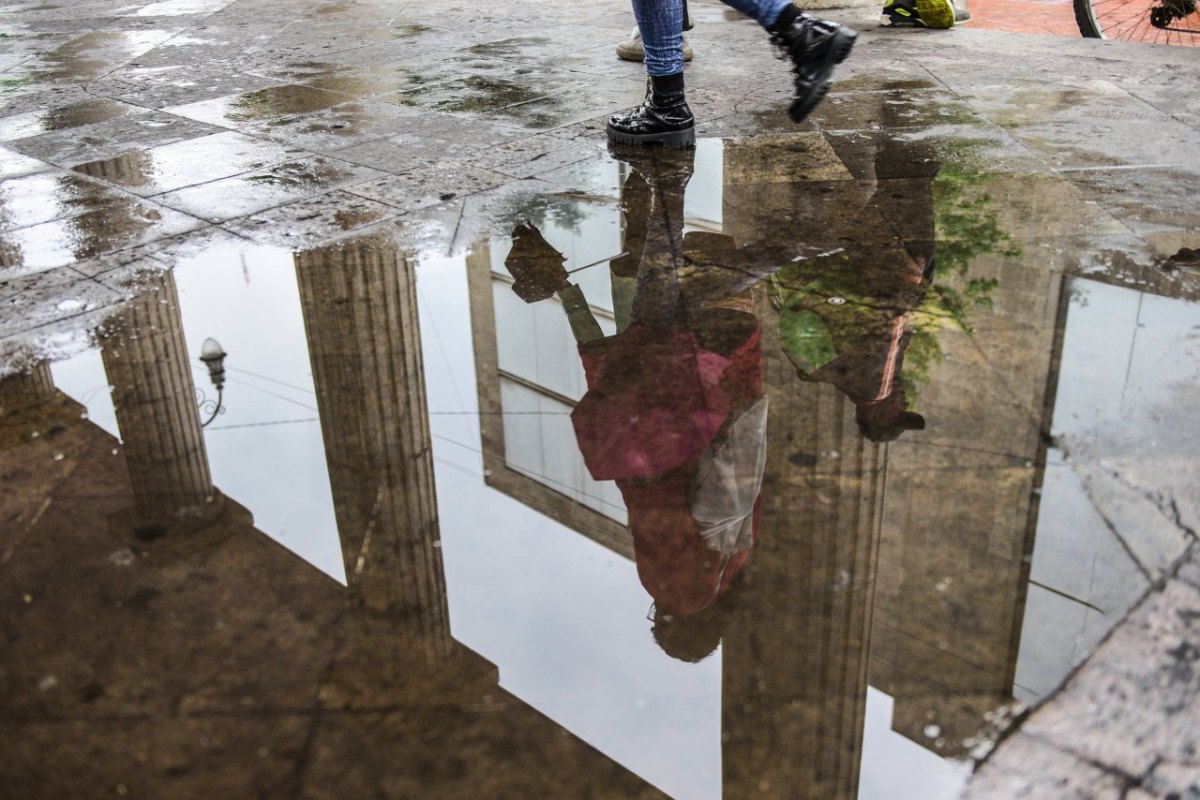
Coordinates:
631	48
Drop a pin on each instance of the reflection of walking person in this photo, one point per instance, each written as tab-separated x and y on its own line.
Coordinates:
814	47
675	410
849	318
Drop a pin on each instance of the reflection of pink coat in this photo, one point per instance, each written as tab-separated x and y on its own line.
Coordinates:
656	401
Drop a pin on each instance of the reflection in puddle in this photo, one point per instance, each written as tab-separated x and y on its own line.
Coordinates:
757	484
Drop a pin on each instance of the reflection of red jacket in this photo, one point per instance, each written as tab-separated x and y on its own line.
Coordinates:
677	569
656	398
656	401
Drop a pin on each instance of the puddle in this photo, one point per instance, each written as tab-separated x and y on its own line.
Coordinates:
262	104
745	476
59	118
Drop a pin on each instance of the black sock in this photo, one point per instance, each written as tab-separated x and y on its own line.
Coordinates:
786	17
667	84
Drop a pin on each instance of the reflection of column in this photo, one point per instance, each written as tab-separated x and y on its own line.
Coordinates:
960	517
795	662
145	357
360	314
131	168
28	388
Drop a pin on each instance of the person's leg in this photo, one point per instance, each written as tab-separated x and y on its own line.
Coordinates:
661	24
764	12
814	46
631	49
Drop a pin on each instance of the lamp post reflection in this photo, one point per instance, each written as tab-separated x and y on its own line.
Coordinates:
213	356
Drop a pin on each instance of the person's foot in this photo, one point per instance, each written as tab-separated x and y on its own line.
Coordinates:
632	50
919	14
662	118
815	47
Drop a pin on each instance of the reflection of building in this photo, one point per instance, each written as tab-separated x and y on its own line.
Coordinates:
213	658
130	168
960	515
28	388
951	536
960	507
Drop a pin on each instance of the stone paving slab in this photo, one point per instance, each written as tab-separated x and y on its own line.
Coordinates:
1128	721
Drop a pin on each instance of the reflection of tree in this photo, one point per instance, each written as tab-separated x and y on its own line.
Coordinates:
562	212
251	106
966	227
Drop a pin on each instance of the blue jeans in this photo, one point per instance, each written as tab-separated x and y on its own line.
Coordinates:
661	24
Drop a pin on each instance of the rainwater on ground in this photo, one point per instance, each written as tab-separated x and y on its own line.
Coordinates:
680	453
797	465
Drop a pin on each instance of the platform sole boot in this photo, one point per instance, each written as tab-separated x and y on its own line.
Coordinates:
815	47
662	118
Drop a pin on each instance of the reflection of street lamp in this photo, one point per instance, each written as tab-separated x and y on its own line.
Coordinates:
213	356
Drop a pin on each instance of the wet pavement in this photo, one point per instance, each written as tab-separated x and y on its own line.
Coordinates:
810	463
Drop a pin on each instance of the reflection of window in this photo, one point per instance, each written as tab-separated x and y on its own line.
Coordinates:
530	378
541	378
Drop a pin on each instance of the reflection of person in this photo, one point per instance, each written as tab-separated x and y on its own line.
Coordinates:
850	328
849	320
675	411
813	46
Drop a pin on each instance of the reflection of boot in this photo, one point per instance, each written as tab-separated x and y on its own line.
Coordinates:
658	166
536	267
657	181
635	205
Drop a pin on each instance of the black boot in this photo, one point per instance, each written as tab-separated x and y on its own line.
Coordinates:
814	46
663	118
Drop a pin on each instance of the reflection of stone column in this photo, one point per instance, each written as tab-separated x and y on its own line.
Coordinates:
131	168
145	357
961	515
28	388
795	661
360	314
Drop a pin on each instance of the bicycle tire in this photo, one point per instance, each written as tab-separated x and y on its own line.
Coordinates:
1129	20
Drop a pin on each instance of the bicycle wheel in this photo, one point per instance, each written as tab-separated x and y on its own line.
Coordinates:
1175	22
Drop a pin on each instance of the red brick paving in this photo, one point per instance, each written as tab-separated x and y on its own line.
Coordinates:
1045	16
1024	16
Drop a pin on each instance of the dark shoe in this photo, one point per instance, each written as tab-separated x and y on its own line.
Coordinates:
663	118
815	47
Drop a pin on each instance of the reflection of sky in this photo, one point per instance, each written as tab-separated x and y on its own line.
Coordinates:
1128	359
896	768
